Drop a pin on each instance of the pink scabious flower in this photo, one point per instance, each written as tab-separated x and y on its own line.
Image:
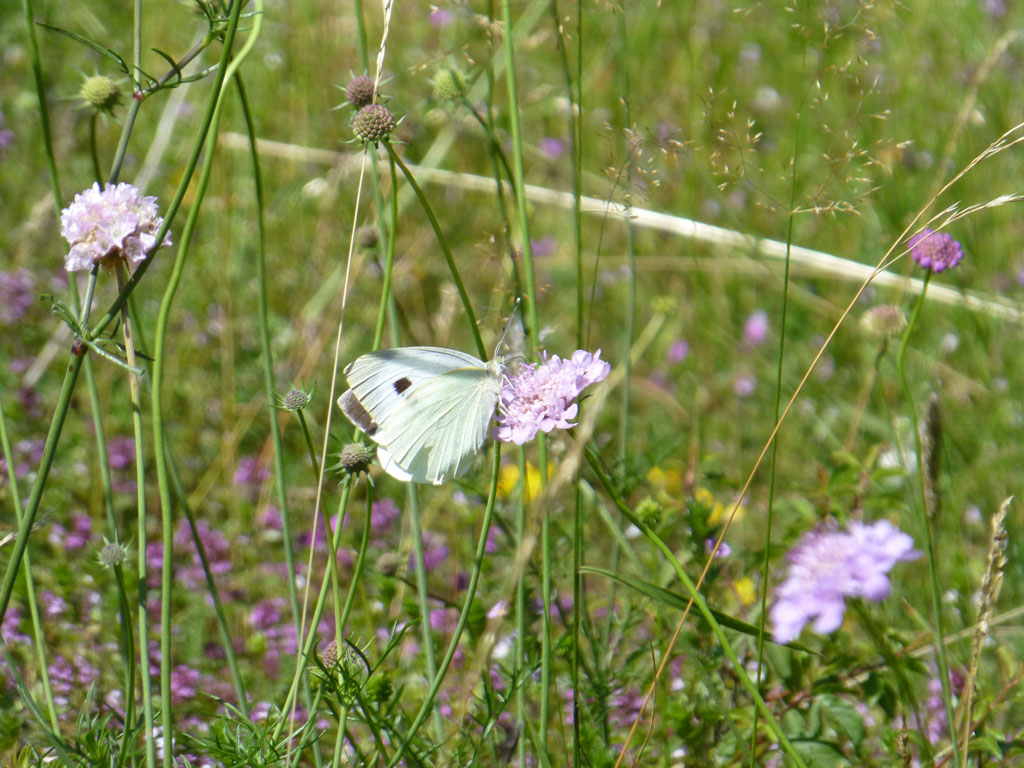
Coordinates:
105	225
937	251
542	397
829	565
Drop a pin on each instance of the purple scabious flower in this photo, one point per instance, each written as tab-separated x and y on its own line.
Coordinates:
15	295
829	565
755	329
105	225
937	251
541	398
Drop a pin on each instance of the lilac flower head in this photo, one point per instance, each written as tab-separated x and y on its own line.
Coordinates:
6	134
540	398
105	225
829	565
937	251
755	329
15	295
552	147
678	352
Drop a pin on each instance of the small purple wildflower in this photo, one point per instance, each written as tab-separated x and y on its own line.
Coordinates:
829	565
435	551
543	247
678	352
744	386
541	398
121	452
723	551
551	147
105	225
755	329
440	18
15	295
937	251
6	134
250	472
383	515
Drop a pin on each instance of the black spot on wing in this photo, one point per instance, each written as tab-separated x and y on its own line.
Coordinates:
401	385
357	413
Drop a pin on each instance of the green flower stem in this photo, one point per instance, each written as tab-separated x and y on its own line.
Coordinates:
310	642
925	517
698	600
211	585
474	578
520	614
574	94
140	490
422	592
30	586
159	359
357	569
267	358
128	652
533	324
467	306
93	152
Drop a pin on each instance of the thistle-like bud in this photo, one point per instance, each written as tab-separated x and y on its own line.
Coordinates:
355	458
100	93
649	512
366	237
380	689
449	85
883	321
359	91
296	400
373	123
112	554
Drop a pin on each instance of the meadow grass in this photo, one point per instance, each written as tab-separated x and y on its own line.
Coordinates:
780	532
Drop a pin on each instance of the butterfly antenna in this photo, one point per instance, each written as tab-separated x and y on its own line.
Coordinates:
508	326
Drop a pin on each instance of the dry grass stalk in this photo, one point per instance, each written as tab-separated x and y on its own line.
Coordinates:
990	586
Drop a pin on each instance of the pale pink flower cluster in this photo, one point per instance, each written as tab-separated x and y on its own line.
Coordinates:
542	397
105	225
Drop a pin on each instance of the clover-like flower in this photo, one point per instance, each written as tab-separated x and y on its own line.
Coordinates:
541	398
103	226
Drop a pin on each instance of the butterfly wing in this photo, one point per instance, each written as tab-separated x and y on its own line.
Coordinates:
427	408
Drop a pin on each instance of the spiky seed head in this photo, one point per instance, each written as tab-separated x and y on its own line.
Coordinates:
296	400
649	512
359	91
665	305
330	655
373	123
100	93
366	237
449	85
389	563
112	554
355	458
883	321
380	689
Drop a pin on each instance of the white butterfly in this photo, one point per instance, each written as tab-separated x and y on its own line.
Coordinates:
427	408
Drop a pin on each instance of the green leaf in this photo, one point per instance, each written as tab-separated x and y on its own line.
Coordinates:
820	754
843	716
675	600
90	44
